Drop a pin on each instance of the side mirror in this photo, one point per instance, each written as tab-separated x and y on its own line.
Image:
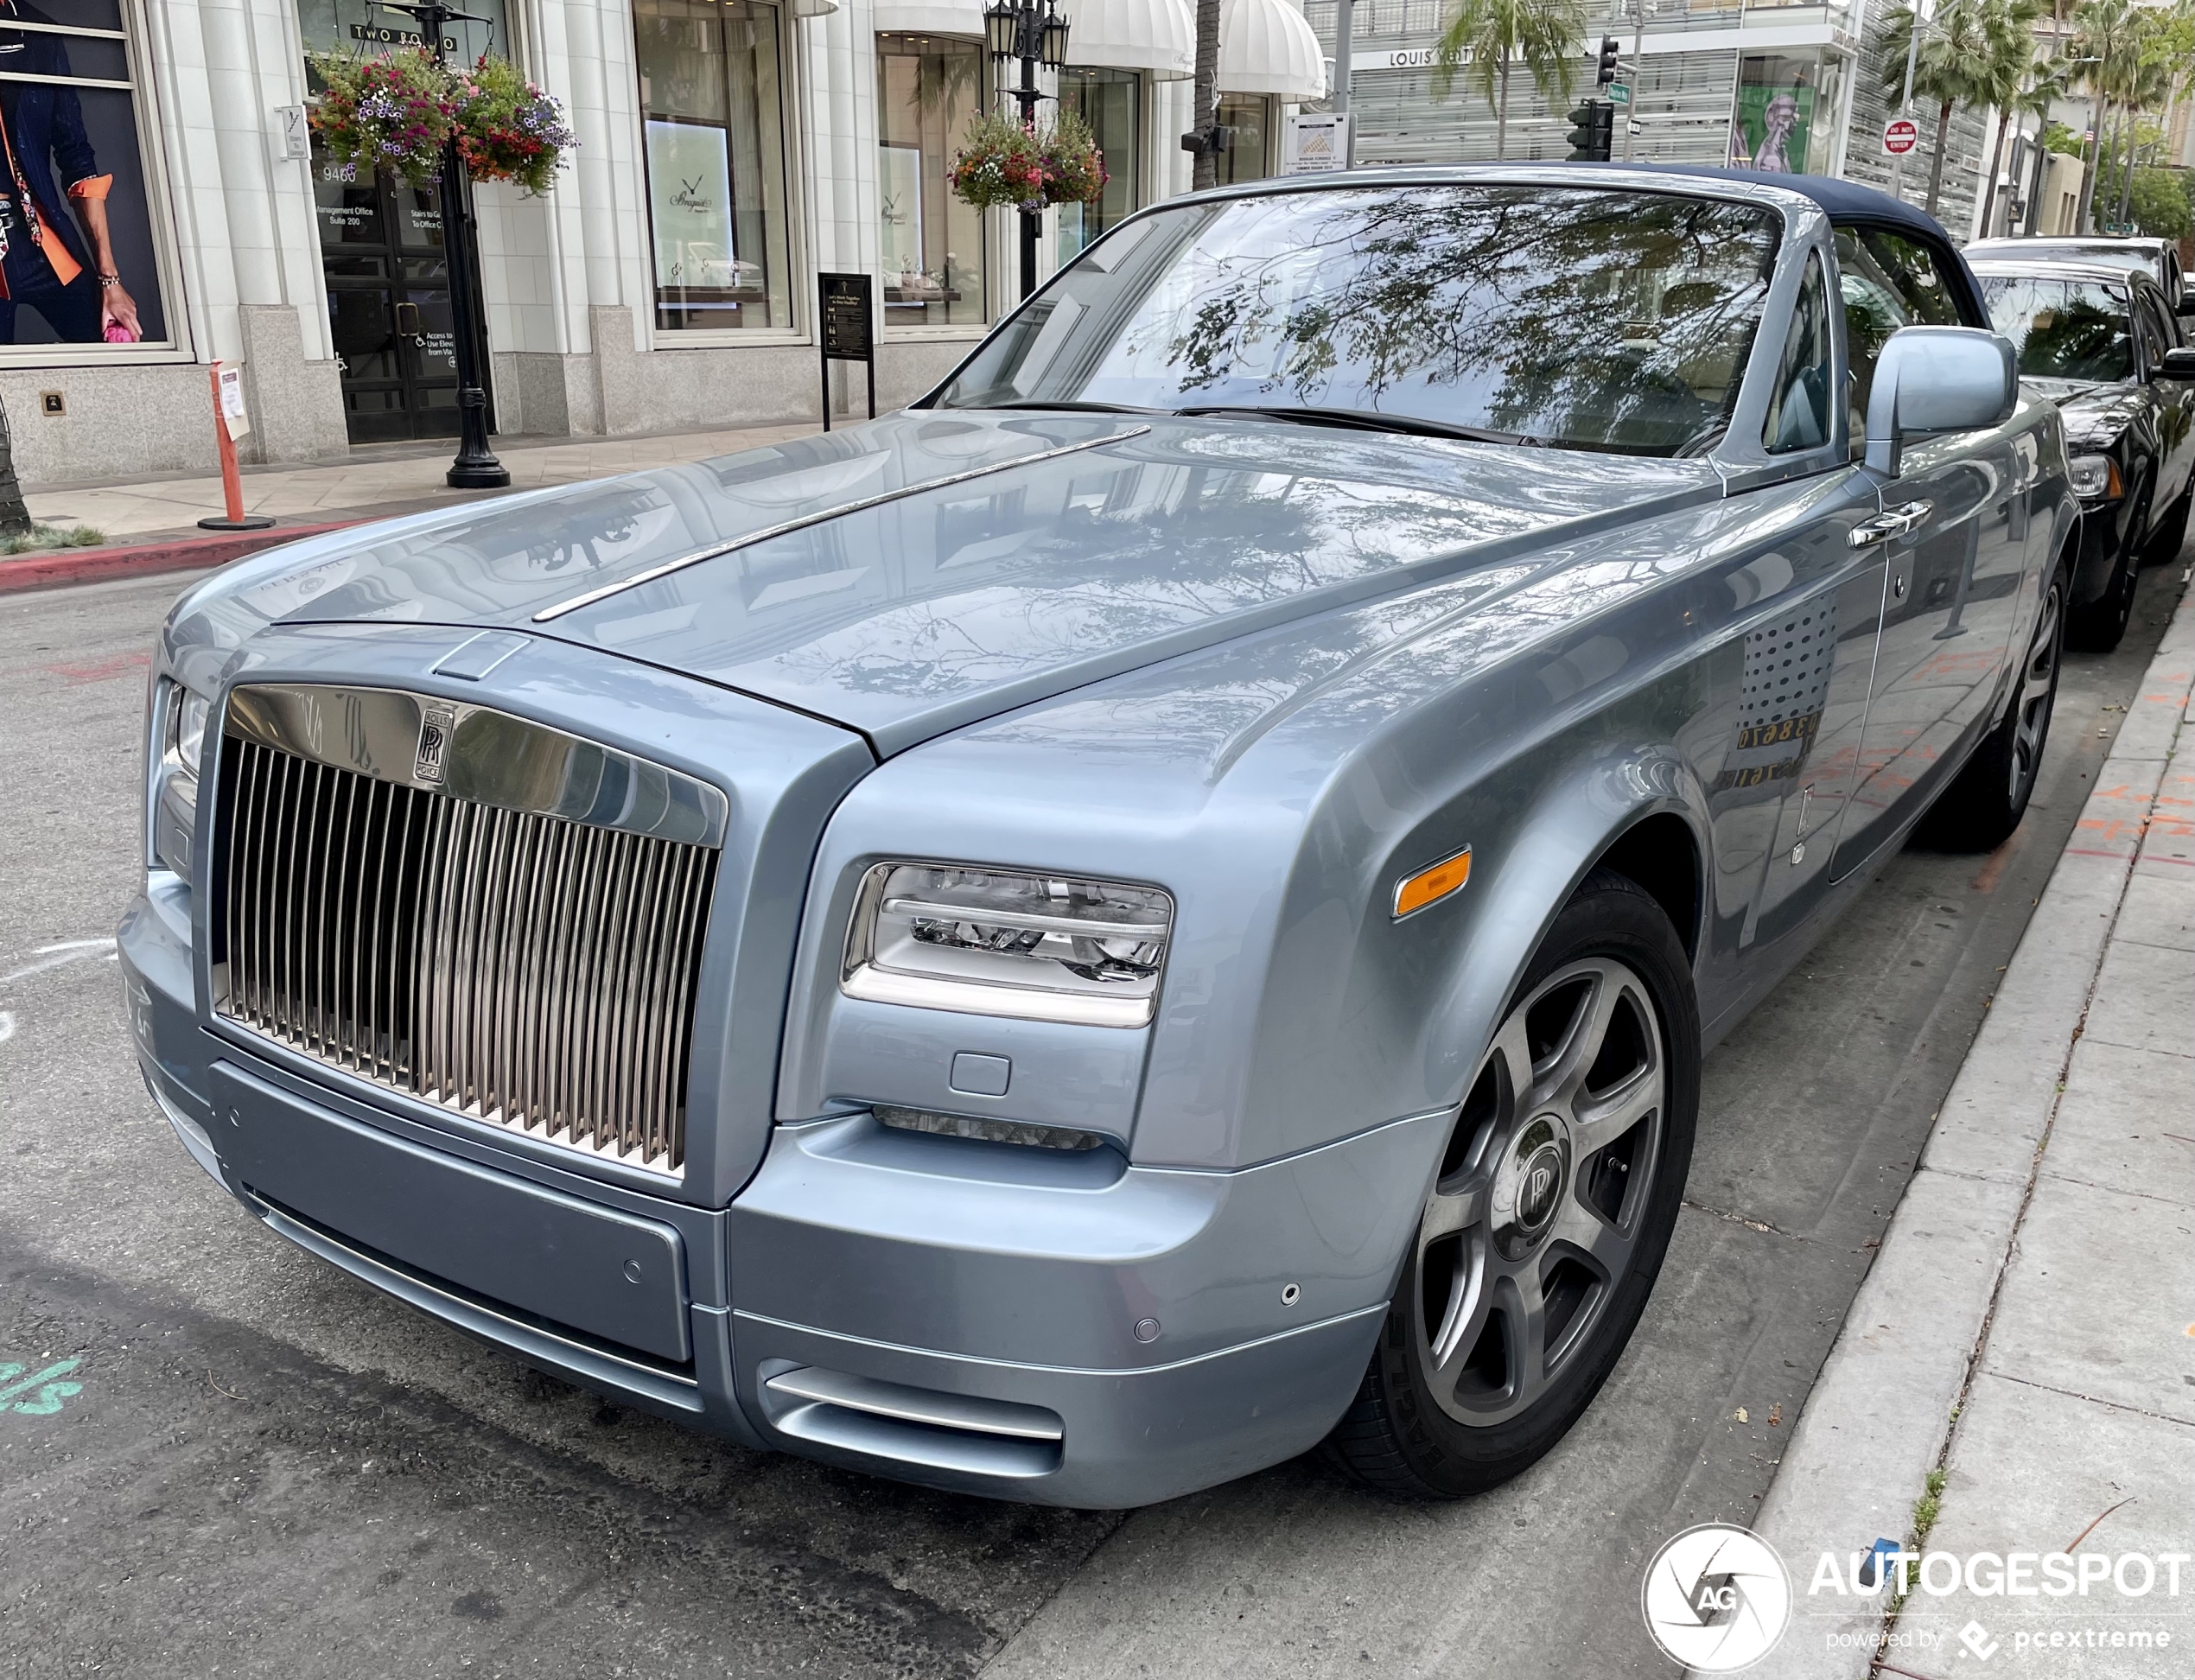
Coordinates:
2177	364
1931	380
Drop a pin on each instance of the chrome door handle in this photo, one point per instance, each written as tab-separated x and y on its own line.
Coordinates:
1897	522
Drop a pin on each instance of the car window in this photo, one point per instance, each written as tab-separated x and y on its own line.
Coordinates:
1588	318
1887	281
2162	325
2063	329
1799	406
2148	334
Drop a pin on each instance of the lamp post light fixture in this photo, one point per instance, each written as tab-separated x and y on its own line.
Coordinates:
475	467
1035	32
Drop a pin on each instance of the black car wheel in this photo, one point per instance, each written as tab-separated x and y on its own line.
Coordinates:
1987	800
1547	1221
2097	627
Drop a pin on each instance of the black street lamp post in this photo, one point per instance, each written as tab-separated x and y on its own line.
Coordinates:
1034	32
475	467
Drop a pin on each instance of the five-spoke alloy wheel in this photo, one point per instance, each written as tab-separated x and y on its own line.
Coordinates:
1549	1211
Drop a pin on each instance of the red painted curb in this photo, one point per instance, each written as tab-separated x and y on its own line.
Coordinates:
88	565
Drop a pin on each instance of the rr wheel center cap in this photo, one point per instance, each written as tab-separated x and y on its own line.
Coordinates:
1530	1185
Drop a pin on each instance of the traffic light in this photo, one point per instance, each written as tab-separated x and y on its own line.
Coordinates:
1608	49
1593	132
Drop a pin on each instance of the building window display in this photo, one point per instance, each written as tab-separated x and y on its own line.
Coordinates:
1783	117
79	264
712	102
930	244
1111	103
1249	121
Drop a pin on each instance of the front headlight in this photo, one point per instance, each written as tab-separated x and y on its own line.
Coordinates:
2096	477
175	807
1000	942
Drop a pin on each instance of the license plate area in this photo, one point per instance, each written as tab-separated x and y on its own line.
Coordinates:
608	1275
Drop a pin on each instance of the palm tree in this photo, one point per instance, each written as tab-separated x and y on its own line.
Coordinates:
1955	47
1491	34
2108	35
1205	170
2004	76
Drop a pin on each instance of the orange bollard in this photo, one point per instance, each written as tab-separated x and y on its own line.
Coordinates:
230	422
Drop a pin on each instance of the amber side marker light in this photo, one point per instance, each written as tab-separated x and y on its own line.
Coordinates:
1430	886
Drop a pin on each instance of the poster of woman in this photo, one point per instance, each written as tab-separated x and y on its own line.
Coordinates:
74	252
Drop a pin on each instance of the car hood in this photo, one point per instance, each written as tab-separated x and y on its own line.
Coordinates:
931	569
2094	412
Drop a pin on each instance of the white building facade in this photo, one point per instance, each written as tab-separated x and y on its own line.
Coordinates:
729	151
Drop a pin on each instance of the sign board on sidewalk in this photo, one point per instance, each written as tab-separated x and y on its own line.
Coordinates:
1315	143
1899	136
848	332
230	378
1619	93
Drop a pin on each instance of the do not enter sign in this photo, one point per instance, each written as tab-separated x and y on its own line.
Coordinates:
1899	136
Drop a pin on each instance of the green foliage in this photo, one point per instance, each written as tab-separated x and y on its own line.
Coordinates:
507	129
1004	164
1489	35
2159	205
41	538
2059	139
388	113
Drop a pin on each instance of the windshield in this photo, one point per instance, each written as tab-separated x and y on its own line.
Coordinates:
1590	319
2063	329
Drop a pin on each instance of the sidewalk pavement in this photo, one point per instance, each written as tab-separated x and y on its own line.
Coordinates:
376	481
2026	1330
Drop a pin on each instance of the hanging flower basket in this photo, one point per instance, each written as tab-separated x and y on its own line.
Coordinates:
398	112
1074	169
1007	164
383	113
507	129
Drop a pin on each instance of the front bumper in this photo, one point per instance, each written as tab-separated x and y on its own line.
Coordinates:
1061	1330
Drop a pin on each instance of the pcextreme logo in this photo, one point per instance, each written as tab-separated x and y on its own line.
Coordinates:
1716	1599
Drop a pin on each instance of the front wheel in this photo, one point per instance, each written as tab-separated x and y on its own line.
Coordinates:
1548	1218
1983	805
2098	627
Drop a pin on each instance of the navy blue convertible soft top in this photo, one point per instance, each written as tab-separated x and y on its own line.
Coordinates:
1846	201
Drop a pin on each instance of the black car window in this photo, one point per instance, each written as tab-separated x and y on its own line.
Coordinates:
1799	404
1585	317
2162	327
2063	329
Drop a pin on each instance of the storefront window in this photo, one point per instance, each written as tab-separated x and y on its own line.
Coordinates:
931	244
77	252
1249	123
1783	119
1111	102
713	107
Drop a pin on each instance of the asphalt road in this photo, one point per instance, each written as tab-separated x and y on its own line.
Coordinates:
256	1465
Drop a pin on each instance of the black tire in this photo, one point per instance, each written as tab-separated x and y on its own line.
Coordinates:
2098	628
1409	1436
1986	800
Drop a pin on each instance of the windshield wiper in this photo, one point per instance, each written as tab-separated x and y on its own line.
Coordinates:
1361	420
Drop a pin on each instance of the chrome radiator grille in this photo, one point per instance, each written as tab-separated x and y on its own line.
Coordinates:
512	966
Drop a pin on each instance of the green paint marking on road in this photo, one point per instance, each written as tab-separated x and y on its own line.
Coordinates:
50	1394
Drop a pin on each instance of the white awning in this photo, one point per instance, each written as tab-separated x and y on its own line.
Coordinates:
1267	46
944	18
1158	36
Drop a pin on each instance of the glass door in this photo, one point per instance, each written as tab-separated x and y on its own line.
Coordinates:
388	305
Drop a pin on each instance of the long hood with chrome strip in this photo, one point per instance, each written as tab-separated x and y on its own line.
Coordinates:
938	567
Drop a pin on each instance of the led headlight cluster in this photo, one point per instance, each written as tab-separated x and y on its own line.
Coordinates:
2095	477
1000	942
181	717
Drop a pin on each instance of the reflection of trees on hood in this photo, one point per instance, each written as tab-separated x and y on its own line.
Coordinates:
1586	314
